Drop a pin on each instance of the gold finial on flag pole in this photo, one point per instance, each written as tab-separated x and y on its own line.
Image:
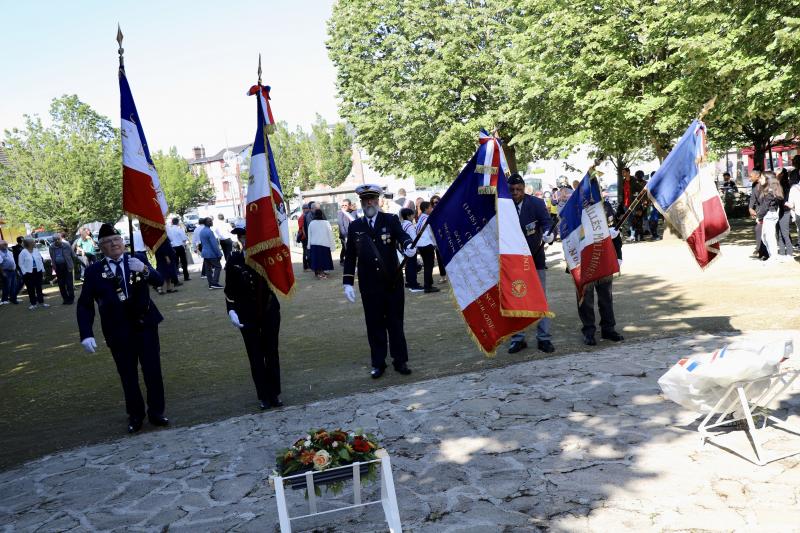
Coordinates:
706	108
121	50
259	69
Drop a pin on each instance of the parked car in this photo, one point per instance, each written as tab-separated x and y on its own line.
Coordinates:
191	221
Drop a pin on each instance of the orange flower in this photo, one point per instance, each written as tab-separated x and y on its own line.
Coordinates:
307	457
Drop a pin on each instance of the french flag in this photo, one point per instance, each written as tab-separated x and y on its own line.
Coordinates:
684	191
142	196
488	261
588	249
267	252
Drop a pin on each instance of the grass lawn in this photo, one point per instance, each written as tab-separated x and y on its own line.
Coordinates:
54	396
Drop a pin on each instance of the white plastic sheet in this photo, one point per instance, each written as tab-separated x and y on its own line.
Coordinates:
698	382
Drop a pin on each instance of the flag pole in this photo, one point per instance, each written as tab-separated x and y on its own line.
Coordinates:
121	51
703	112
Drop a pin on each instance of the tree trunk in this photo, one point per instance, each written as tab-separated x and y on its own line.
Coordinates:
511	156
760	145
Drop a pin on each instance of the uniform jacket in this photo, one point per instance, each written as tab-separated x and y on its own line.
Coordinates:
120	320
246	292
69	255
535	221
387	236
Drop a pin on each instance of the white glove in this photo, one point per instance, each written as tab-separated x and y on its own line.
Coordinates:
235	319
614	232
135	265
89	344
548	237
409	252
350	294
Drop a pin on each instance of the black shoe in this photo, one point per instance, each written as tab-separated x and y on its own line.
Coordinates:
263	405
134	425
403	369
159	420
612	336
517	346
275	402
432	289
546	346
178	284
216	286
376	372
588	340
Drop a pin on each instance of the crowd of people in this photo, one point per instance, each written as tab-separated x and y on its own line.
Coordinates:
775	207
315	234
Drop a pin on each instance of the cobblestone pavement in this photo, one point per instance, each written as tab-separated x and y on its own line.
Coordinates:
583	442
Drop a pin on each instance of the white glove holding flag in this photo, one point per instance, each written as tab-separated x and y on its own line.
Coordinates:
548	237
135	265
89	344
350	294
235	319
614	232
409	252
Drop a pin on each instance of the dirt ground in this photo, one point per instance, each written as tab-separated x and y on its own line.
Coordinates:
53	396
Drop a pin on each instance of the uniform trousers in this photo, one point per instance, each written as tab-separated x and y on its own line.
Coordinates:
383	311
227	248
605	305
261	344
142	349
66	285
180	253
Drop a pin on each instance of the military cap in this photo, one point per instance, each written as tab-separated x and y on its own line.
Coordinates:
106	230
369	191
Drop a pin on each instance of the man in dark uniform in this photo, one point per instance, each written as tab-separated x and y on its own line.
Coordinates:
536	225
120	286
372	244
254	309
605	302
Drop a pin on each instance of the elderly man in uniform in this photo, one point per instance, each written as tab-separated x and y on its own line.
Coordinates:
536	225
120	286
254	309
372	244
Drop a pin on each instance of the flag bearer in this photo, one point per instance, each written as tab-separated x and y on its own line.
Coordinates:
254	309
372	244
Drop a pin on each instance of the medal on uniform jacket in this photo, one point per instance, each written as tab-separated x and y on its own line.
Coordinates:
530	229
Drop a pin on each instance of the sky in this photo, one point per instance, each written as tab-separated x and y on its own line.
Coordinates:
189	64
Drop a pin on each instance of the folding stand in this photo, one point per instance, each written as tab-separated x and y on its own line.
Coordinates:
388	497
737	396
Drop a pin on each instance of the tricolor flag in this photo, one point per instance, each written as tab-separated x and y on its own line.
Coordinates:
142	196
275	183
588	249
267	252
491	164
488	261
683	190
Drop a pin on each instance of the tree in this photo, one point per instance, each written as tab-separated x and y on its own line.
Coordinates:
330	150
64	175
181	187
417	80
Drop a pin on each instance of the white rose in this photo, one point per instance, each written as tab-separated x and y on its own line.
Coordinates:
308	444
335	444
321	460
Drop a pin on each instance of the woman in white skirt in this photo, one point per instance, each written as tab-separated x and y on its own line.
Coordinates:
320	245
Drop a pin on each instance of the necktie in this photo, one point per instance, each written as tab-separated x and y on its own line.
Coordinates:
372	223
120	275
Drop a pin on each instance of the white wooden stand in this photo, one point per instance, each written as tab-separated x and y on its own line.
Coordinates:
388	497
737	396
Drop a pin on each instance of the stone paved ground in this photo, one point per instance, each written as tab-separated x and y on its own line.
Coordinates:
584	442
